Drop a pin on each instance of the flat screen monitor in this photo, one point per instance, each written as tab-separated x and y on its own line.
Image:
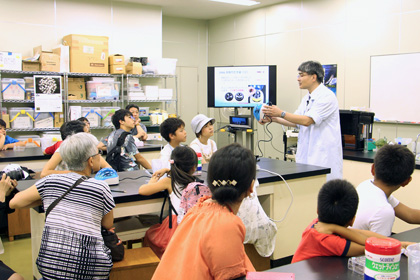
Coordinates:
241	86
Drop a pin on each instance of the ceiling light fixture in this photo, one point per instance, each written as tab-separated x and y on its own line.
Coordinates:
238	2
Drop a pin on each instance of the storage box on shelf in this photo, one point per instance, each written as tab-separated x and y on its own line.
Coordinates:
107	113
13	89
93	114
44	120
21	117
104	88
32	141
153	89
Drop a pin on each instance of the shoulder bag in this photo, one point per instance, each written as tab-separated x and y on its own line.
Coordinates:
111	239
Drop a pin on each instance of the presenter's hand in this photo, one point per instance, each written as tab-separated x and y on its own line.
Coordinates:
271	111
264	120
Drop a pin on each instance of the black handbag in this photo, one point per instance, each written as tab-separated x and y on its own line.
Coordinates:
111	239
115	244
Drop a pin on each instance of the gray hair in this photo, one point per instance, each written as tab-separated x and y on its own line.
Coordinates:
313	68
77	149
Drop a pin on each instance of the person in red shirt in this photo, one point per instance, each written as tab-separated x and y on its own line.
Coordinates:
329	235
66	129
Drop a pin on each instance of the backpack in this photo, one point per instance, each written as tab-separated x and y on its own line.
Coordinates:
191	194
113	157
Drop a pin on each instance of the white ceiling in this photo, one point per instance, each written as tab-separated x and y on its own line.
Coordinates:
201	9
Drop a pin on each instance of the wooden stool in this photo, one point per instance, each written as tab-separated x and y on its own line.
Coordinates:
259	263
139	264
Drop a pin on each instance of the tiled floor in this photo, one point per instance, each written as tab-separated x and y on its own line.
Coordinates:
17	255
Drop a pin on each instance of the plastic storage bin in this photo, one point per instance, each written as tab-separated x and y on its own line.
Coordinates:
107	113
32	141
21	117
49	138
103	90
13	89
44	120
93	114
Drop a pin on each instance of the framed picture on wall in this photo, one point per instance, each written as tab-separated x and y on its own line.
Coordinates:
330	77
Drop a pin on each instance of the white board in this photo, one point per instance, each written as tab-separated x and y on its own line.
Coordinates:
395	87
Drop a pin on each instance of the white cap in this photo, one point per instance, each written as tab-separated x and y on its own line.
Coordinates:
199	121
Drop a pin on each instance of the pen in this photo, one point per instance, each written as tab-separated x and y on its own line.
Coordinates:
118	191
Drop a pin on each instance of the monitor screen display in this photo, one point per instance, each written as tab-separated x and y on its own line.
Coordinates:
241	86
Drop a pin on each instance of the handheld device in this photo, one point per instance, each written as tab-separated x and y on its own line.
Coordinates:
258	114
108	175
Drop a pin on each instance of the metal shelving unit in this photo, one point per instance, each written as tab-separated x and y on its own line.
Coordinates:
166	102
66	101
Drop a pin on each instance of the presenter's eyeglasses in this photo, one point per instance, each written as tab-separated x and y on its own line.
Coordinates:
303	74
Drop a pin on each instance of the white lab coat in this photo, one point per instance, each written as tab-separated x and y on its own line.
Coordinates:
320	143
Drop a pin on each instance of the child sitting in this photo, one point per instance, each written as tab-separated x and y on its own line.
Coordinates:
208	244
173	131
55	164
329	235
183	164
202	126
123	121
7	142
139	131
391	169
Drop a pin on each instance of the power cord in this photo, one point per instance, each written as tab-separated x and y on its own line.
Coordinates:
291	194
127	178
263	140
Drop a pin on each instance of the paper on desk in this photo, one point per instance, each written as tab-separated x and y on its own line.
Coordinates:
270	276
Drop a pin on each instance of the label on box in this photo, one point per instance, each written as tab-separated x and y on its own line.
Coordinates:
103	91
88	49
22	122
44	123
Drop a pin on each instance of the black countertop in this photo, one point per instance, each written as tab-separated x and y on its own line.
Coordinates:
130	181
327	268
36	153
364	156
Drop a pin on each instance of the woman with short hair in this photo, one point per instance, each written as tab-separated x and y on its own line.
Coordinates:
72	246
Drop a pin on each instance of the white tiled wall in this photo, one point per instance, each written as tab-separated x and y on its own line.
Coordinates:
133	29
342	32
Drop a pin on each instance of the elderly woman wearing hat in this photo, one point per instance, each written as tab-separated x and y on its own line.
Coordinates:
202	126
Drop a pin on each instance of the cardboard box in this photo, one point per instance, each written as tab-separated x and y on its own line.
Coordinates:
10	61
58	119
50	62
32	66
64	53
88	54
116	59
134	68
6	119
117	69
76	89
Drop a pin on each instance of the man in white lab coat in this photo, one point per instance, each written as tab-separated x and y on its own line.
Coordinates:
318	120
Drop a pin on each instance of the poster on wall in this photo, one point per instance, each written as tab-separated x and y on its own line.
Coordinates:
48	96
330	77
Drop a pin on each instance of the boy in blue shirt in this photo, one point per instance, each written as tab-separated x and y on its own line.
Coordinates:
7	142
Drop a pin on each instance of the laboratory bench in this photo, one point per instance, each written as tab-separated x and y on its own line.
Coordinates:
327	268
304	181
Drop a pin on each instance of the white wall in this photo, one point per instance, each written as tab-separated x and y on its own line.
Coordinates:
133	29
342	32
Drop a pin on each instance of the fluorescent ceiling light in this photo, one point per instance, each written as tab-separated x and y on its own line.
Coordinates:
239	2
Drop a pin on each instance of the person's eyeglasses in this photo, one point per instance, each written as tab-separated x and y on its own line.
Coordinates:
301	75
100	152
